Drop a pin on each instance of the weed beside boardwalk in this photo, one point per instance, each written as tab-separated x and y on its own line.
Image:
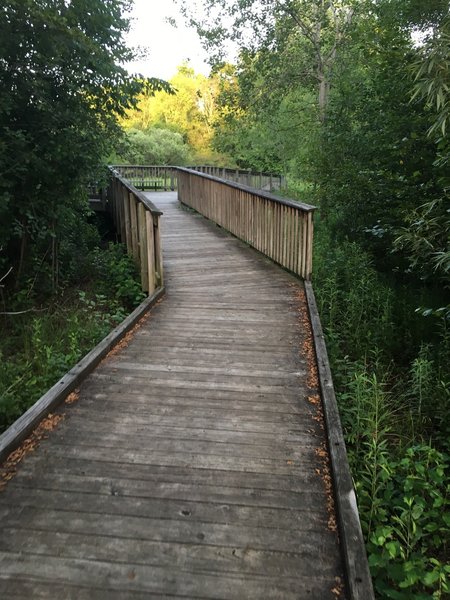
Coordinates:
38	346
391	370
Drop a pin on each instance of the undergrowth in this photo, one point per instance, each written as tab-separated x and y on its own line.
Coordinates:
391	371
38	347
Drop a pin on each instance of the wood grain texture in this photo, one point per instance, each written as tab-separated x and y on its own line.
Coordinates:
188	467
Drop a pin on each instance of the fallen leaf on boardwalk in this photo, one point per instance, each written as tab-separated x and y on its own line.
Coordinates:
325	474
314	399
338	589
73	397
9	468
124	342
289	462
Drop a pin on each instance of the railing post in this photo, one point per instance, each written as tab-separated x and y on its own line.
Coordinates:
126	209
134	228
309	262
158	252
150	235
143	247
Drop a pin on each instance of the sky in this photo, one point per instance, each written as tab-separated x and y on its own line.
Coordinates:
167	47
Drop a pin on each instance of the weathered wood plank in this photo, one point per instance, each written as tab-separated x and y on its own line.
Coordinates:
129	577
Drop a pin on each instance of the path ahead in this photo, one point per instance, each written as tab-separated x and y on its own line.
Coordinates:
192	465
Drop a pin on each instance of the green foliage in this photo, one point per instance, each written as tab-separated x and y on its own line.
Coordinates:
154	146
62	90
409	540
432	77
394	397
35	351
181	121
117	276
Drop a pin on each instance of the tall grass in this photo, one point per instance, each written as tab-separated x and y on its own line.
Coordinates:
392	380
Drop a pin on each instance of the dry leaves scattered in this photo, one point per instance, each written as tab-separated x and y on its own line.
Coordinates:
73	397
9	468
125	341
309	354
308	350
325	474
338	588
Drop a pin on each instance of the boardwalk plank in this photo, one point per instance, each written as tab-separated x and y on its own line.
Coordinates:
126	577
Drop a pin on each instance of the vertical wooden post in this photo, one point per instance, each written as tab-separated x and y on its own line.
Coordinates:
309	263
134	227
150	257
143	246
158	252
127	221
304	244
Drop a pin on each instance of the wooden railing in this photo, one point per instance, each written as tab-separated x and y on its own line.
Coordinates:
280	229
137	222
149	177
260	181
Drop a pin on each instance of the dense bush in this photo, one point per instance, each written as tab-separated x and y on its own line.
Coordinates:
154	146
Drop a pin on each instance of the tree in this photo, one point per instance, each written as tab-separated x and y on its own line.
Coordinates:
62	87
426	236
188	111
317	28
154	146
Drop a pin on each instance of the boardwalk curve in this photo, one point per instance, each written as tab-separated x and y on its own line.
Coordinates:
193	463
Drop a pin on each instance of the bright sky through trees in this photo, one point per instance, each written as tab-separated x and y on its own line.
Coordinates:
166	46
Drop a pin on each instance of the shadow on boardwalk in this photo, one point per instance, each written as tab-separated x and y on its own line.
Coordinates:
192	464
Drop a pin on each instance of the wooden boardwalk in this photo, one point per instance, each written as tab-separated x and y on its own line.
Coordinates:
192	464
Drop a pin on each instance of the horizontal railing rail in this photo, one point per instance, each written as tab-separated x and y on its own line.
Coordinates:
164	178
137	222
149	177
262	181
280	229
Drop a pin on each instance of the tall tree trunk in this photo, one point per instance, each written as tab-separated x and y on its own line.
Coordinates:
324	90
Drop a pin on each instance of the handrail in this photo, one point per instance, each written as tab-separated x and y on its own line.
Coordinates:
259	180
281	229
157	177
137	221
149	177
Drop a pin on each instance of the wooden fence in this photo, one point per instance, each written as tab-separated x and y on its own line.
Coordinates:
137	221
150	177
260	181
280	229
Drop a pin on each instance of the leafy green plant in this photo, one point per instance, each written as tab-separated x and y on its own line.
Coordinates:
117	275
411	538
